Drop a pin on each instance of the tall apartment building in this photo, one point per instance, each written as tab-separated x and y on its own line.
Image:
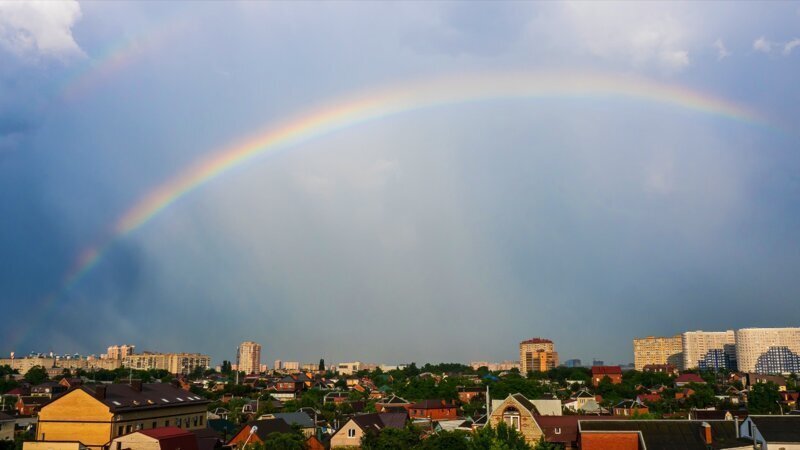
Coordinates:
657	350
768	350
119	351
709	350
175	363
537	355
249	358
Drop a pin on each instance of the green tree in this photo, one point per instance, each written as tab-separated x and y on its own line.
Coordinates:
501	438
391	439
763	399
36	375
544	445
446	440
285	441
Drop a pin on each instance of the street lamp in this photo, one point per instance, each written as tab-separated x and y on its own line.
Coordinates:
253	430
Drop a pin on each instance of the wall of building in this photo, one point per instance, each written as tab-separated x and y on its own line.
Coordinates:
342	439
606	441
657	350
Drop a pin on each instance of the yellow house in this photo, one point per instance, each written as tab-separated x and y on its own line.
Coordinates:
94	415
517	412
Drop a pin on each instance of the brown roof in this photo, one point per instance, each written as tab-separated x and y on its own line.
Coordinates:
379	421
123	397
562	429
433	404
606	370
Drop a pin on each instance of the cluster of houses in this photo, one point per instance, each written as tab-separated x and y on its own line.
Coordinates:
73	414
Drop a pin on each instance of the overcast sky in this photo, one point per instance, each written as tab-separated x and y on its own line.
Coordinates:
441	234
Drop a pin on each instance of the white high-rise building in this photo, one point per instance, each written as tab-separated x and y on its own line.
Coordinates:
709	350
768	350
249	357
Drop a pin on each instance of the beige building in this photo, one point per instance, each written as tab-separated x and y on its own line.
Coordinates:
96	415
119	351
708	349
657	350
348	368
768	350
537	355
249	357
23	365
176	363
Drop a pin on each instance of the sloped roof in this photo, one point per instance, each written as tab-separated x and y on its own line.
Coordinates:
121	397
689	378
671	434
606	370
172	438
269	426
296	418
567	425
433	404
778	428
524	402
379	421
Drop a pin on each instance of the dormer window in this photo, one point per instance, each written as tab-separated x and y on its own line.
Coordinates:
557	430
511	417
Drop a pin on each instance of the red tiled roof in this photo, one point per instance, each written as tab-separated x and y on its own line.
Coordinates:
567	427
172	438
690	378
606	370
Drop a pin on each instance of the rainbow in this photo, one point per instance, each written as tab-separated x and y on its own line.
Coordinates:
380	103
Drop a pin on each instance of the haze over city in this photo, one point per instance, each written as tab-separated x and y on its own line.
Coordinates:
395	182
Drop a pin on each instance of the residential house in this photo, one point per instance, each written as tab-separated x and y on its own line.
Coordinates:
164	438
687	378
614	373
648	398
49	389
661	368
94	415
392	404
772	432
263	428
300	420
517	412
336	397
563	430
756	378
659	434
789	399
28	405
350	434
288	388
71	383
433	410
629	408
467	393
717	414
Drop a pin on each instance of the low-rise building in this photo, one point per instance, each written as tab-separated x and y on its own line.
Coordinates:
94	415
772	432
164	438
263	428
350	434
613	373
433	410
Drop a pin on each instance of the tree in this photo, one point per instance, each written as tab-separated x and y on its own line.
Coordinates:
285	441
501	438
390	439
446	440
36	375
763	399
544	445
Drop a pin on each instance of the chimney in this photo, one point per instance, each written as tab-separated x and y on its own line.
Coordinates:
706	428
100	392
136	385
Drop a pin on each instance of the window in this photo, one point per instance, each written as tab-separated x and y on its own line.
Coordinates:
120	430
201	421
511	417
166	423
155	424
128	429
351	432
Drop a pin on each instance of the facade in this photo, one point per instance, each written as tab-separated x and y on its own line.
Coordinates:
537	355
349	436
613	373
657	350
96	415
175	363
517	412
249	357
433	410
348	368
709	350
119	352
768	350
164	438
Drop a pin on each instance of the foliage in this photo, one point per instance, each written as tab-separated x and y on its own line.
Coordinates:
501	438
513	384
285	441
391	439
763	399
544	445
446	440
36	375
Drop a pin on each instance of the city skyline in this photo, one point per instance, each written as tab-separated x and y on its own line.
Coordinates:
185	177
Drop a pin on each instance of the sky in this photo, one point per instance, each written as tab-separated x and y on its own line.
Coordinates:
442	231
